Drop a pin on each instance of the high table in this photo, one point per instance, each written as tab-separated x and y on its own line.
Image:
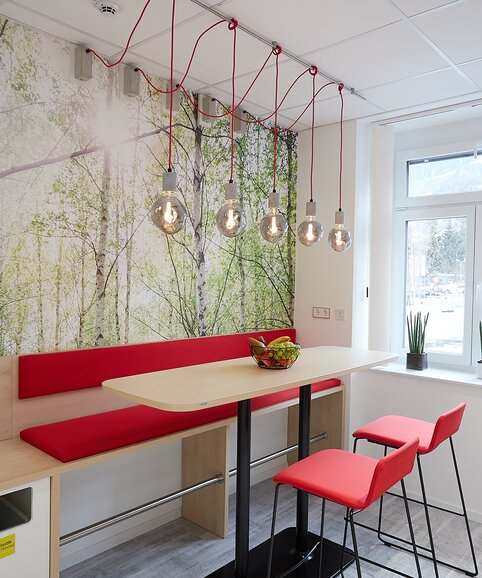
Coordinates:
239	380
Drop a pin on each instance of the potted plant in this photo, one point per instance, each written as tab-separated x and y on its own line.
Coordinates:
416	358
478	370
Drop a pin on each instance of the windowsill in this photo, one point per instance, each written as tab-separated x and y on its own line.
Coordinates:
438	373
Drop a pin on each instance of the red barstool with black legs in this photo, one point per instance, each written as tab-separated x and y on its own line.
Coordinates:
392	431
355	482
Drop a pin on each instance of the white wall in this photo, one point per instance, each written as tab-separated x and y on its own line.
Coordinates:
325	278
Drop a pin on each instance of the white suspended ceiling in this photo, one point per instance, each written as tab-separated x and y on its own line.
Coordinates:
400	55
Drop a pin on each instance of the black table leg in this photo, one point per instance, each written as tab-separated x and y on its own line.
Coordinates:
243	489
303	452
291	544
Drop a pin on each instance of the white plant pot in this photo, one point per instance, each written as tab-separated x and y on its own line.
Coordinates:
478	370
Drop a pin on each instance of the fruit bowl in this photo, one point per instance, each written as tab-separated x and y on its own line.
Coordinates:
279	355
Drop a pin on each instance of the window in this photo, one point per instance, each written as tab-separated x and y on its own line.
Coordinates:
437	268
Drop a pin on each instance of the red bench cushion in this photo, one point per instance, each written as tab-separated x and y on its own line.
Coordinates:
94	434
48	373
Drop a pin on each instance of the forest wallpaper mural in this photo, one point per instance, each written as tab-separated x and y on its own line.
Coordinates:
81	264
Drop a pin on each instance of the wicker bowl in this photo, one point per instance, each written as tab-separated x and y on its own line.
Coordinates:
276	358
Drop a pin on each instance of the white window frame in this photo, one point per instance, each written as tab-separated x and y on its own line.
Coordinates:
399	278
406	209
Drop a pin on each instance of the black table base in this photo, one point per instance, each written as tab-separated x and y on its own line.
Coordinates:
285	556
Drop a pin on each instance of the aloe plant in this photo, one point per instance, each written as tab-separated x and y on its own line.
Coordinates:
416	332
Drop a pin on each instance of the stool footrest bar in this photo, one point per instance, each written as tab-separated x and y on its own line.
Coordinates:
415	501
382	533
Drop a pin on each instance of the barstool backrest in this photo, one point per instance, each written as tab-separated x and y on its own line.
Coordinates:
391	469
447	424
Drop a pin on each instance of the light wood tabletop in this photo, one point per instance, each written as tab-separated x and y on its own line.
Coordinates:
211	384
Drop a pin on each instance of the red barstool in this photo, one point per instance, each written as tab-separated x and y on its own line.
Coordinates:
392	431
352	480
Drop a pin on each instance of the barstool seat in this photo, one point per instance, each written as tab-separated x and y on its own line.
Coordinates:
396	430
351	480
330	474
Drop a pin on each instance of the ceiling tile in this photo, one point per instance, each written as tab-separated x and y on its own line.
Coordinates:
474	71
58	29
312	24
428	88
213	58
412	7
455	29
263	90
80	16
375	57
328	111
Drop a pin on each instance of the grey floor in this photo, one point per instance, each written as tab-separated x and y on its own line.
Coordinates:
181	549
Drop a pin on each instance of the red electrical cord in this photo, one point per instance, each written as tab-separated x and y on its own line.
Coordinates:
313	72
227	110
171	97
276	51
233	27
178	86
255	120
105	62
340	90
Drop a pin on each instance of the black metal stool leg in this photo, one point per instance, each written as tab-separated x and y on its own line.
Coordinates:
344	542
427	517
273	525
380	508
410	527
355	544
322	526
464	510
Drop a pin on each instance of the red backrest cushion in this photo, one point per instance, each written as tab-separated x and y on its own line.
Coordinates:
391	469
48	373
447	424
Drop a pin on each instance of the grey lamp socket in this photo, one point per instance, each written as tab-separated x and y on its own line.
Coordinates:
339	218
273	201
169	181
230	191
311	209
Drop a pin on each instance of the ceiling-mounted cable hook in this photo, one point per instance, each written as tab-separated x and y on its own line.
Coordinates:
277	50
313	70
232	24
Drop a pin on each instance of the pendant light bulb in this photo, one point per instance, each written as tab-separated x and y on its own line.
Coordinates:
339	237
274	225
168	213
230	218
310	231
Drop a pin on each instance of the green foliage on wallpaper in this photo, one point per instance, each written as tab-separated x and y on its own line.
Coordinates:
80	262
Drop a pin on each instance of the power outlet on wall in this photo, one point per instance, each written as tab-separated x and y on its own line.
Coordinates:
321	312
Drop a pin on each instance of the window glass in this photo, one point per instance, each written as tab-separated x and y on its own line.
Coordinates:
461	173
436	280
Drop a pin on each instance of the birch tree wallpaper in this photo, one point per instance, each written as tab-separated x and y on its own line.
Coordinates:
81	264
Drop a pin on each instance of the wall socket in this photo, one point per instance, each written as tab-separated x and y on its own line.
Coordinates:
321	312
339	314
